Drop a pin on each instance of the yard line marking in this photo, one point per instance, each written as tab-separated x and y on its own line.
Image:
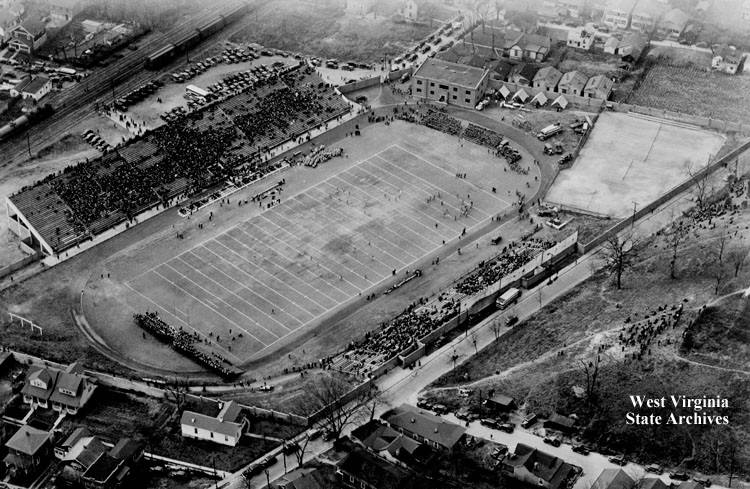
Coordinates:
352	233
394	222
439	189
188	325
210	306
403	214
242	298
242	285
368	221
320	262
260	269
494	196
285	269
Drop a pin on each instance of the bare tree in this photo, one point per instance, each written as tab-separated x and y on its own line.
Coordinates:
496	328
474	341
620	254
736	256
430	11
721	243
675	237
175	391
719	272
336	401
590	369
699	176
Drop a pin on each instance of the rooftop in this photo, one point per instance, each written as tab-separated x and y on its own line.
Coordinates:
429	426
453	73
613	479
197	420
28	440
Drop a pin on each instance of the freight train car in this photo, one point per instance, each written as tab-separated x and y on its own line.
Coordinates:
234	14
32	116
160	57
211	27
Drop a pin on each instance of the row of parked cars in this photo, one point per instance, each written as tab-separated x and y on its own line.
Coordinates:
135	96
96	141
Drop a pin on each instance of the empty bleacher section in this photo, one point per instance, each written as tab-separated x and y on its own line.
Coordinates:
229	139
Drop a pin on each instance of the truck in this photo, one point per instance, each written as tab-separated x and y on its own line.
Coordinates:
507	298
549	131
553	149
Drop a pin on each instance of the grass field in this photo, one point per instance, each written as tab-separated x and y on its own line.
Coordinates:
629	159
257	285
695	92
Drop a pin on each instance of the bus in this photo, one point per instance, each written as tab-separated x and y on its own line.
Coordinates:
507	298
549	131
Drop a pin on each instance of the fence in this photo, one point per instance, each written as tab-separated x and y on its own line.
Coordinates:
692	120
8	269
674	192
359	85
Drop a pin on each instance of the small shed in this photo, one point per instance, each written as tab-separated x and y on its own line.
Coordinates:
504	92
540	99
560	423
521	95
561	102
501	403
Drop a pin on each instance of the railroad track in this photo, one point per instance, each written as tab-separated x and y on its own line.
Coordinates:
74	105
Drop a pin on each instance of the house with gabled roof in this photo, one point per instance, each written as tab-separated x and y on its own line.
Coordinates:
631	47
424	427
572	83
540	469
727	59
523	74
226	428
599	86
547	79
613	479
673	23
63	390
28	36
392	445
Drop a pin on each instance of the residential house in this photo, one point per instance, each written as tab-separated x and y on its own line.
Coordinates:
392	445
617	13
631	47
645	15
727	59
523	74
652	483
690	34
530	47
92	465
673	23
29	450
614	479
611	44
92	26
572	83
500	41
574	8
28	36
529	465
226	428
411	11
300	478
547	79
10	15
81	456
64	448
558	421
580	38
359	7
450	83
64	390
745	10
600	87
363	470
60	9
501	402
690	485
425	428
499	70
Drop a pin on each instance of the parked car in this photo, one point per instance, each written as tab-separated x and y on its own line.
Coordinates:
529	420
582	449
290	448
490	423
269	461
439	409
679	476
422	404
654	469
463	414
329	436
314	434
511	320
507	427
553	440
618	460
706	482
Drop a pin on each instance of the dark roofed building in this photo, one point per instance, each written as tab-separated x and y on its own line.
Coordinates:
28	450
523	74
64	390
547	78
572	83
652	483
536	468
383	439
364	470
613	479
425	427
500	70
560	423
450	83
28	36
501	402
301	479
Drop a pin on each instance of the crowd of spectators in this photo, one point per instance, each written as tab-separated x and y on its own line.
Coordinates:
482	136
185	343
442	122
513	256
640	335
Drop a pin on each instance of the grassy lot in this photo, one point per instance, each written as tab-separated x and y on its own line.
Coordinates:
695	92
298	26
721	334
540	361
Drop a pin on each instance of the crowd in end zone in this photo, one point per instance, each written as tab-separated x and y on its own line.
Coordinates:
229	139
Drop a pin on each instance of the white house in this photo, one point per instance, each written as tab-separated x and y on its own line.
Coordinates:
580	38
727	59
411	11
64	390
226	428
617	13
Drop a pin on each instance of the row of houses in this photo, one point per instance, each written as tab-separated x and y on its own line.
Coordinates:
645	16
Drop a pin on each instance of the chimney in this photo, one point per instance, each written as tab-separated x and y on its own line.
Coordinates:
192	420
536	464
436	430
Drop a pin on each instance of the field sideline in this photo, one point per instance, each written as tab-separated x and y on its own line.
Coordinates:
277	272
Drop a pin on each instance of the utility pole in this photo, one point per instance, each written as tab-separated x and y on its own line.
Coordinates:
216	478
635	205
28	142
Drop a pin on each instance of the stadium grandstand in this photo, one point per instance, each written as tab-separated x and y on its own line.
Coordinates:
225	140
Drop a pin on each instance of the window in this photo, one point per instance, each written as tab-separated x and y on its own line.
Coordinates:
196	430
444	87
212	434
455	89
468	92
468	100
419	90
432	92
432	84
455	97
351	478
419	82
226	438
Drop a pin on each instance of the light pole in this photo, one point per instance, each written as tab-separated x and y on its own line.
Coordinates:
635	205
81	301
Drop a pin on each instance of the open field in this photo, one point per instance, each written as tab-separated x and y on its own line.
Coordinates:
629	159
696	92
281	271
328	32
